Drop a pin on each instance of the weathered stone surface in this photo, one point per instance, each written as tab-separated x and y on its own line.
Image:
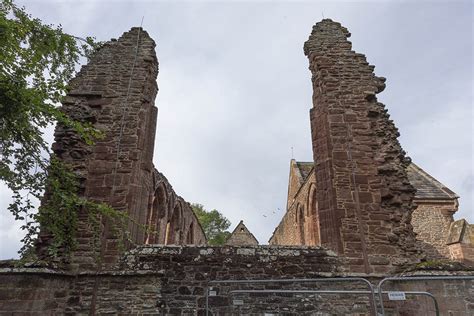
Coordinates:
432	220
172	280
115	92
300	224
461	242
241	236
359	165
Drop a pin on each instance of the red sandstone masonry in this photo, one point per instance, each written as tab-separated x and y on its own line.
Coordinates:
363	193
115	92
299	225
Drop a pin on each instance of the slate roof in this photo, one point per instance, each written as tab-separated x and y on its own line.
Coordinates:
426	186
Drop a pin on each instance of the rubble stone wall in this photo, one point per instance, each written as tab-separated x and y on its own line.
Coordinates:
362	189
51	293
172	280
431	222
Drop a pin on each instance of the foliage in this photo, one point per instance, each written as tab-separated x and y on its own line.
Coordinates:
213	223
36	63
59	211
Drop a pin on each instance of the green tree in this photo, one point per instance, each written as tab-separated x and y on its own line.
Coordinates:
213	223
36	63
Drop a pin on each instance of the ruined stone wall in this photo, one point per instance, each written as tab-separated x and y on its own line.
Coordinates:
42	292
431	221
115	92
362	190
188	270
170	218
299	225
155	279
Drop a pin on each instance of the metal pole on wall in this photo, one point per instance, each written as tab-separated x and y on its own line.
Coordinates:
207	299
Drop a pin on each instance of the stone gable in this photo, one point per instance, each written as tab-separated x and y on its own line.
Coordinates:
241	236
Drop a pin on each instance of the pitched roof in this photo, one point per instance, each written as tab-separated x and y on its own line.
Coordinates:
426	186
241	236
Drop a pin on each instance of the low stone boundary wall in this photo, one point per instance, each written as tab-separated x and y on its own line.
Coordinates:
172	280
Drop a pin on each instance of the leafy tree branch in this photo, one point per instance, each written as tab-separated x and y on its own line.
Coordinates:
36	63
213	223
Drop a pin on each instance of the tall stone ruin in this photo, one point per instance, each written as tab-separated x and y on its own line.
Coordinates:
115	92
364	198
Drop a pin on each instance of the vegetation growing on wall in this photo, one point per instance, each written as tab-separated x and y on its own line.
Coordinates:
36	63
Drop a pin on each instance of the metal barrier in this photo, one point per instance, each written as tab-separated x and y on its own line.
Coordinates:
435	302
371	292
343	279
418	278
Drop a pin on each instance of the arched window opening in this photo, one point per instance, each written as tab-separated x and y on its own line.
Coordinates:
175	228
155	217
190	236
167	233
313	219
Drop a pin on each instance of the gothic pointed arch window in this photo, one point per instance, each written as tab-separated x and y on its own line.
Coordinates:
156	216
313	217
190	236
174	232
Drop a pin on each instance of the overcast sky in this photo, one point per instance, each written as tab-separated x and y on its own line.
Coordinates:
235	92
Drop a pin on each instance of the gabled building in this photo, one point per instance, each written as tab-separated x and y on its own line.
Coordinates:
241	236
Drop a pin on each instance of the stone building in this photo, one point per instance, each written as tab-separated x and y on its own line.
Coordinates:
241	236
115	92
439	236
